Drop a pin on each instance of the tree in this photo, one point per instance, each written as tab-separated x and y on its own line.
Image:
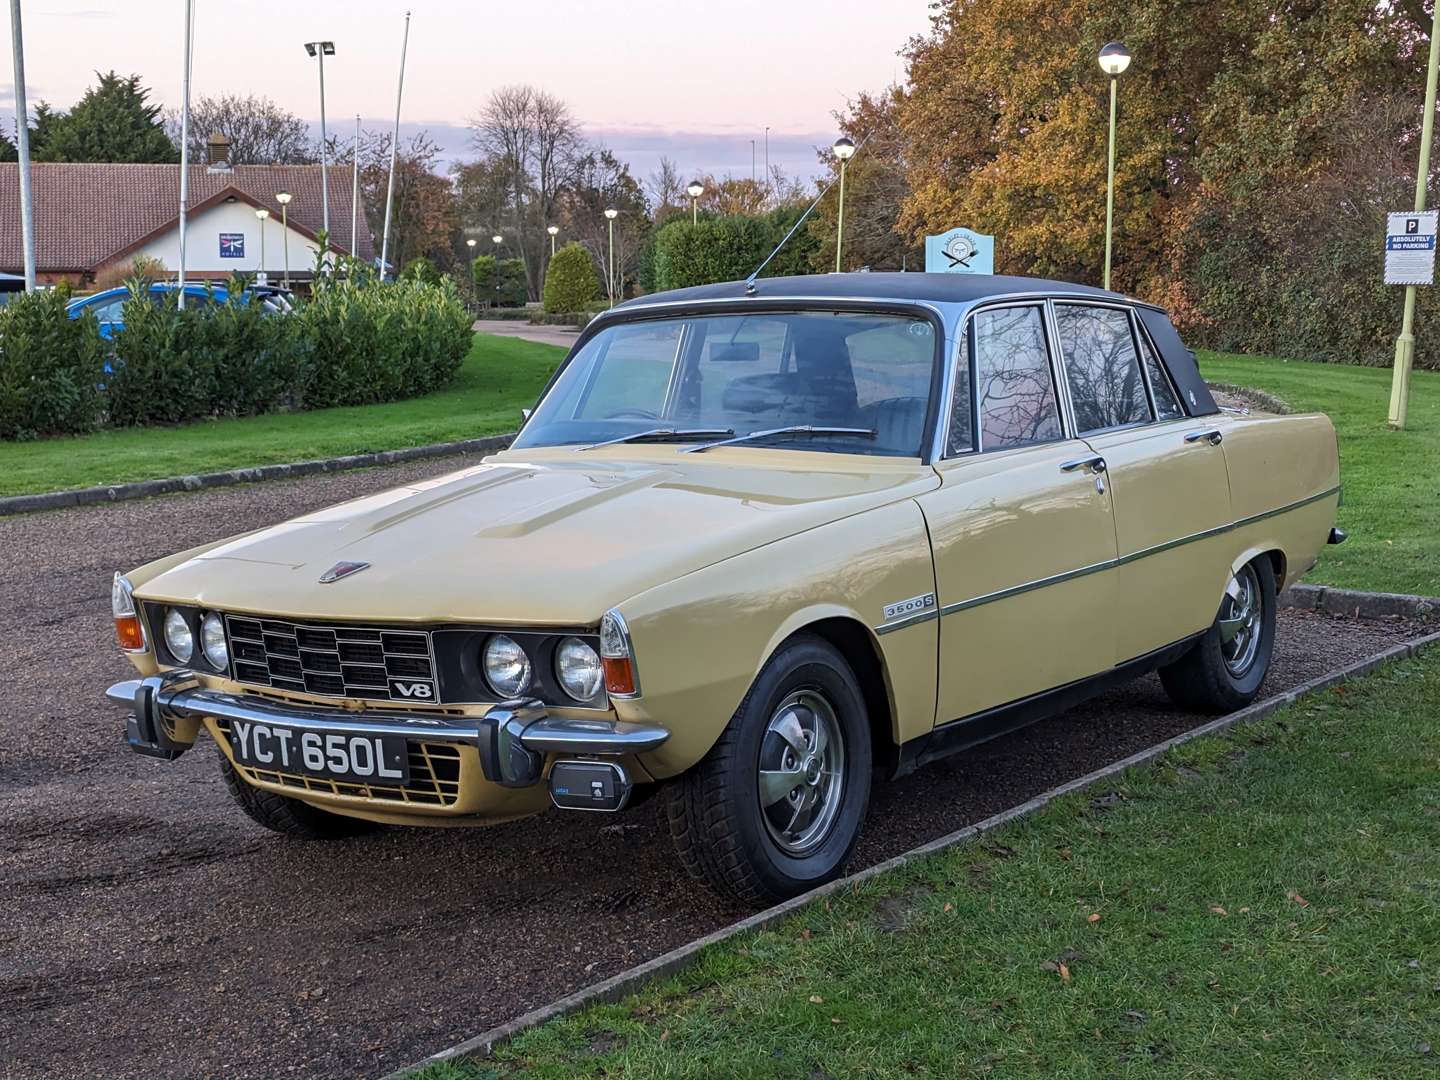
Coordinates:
425	218
600	182
8	150
112	122
875	191
260	131
668	193
530	139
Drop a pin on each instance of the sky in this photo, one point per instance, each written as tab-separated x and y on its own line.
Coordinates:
694	81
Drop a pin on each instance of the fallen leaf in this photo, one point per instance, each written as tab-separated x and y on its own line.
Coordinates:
834	1019
1050	965
1093	917
664	1034
816	999
1293	895
1244	911
1064	973
949	907
1220	911
805	934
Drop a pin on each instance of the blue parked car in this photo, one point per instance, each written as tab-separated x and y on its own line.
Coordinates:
108	306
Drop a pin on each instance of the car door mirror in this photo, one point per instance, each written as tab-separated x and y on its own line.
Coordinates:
525	414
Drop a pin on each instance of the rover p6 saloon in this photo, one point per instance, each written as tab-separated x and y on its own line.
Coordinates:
757	546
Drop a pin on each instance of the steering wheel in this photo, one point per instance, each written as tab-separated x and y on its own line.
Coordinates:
633	414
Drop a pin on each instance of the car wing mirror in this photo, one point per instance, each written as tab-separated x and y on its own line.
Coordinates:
525	414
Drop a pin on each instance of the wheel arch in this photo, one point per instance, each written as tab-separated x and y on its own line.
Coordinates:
856	643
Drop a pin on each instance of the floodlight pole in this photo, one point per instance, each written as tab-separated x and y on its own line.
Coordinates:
1405	343
22	144
394	146
185	149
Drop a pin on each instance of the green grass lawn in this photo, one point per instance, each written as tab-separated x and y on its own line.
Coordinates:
1391	478
498	378
1264	903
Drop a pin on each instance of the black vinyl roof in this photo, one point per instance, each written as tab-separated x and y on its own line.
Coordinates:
932	288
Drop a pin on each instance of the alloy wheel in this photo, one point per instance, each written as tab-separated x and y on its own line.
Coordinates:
1240	622
802	772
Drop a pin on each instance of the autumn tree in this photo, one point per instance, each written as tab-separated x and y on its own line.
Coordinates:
424	218
600	181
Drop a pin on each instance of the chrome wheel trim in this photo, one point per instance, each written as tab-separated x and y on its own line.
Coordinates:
1240	622
801	772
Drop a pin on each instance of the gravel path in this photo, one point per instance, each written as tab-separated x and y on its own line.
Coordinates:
147	928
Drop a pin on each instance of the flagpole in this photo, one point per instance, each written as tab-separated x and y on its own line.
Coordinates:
355	187
184	147
394	147
22	144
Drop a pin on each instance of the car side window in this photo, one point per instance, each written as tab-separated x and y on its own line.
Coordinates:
110	310
1167	405
1106	387
1012	378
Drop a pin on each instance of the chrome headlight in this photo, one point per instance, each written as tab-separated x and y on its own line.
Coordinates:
178	637
577	666
507	668
212	642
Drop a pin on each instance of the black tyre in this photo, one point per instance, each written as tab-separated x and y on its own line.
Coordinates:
1226	667
776	807
290	817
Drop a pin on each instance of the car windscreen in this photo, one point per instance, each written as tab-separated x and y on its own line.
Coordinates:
748	373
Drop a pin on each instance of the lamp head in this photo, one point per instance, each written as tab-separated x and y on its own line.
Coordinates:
262	213
283	198
696	189
1114	59
612	214
470	242
314	48
844	148
553	230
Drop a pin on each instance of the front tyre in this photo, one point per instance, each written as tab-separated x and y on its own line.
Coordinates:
1224	670
775	808
287	816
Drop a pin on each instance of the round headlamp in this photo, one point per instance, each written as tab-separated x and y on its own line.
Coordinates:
507	668
212	642
178	637
577	666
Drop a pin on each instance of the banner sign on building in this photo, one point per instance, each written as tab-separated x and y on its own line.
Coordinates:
232	245
1410	248
960	251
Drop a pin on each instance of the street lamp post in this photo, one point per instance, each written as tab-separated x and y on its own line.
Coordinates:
322	49
554	231
844	150
283	198
1405	343
1114	59
262	214
696	189
610	216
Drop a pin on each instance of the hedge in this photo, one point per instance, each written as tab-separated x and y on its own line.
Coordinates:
570	281
729	249
352	343
500	281
51	368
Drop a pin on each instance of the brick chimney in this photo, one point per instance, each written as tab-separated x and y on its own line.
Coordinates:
217	152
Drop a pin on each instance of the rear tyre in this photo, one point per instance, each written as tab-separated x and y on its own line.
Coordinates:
1226	667
775	808
290	817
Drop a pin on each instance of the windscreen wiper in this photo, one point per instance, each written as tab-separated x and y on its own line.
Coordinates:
797	429
661	434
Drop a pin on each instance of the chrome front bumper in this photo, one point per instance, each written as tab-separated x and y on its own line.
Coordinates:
512	738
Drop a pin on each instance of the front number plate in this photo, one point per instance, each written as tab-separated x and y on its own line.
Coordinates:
351	759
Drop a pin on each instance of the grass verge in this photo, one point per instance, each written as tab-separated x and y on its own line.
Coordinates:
1392	478
498	378
1264	903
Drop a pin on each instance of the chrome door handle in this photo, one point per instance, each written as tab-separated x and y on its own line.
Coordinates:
1094	464
1213	436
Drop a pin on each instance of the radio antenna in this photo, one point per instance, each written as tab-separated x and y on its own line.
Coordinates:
750	281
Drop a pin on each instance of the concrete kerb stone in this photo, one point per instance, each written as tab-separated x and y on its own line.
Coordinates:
145	489
627	982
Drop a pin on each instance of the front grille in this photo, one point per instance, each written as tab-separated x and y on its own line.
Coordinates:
332	660
434	777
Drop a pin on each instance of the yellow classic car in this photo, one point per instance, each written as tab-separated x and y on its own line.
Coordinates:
756	544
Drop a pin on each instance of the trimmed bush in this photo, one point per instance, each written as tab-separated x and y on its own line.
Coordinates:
500	281
729	249
51	368
570	281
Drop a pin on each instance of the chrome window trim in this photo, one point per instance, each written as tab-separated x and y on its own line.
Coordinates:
1108	564
1142	342
1131	319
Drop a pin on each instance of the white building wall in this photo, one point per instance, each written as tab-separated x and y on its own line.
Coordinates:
202	244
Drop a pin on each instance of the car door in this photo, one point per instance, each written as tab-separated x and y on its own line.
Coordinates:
1020	526
1169	487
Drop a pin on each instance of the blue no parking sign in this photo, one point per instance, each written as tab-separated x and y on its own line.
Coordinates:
1410	248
